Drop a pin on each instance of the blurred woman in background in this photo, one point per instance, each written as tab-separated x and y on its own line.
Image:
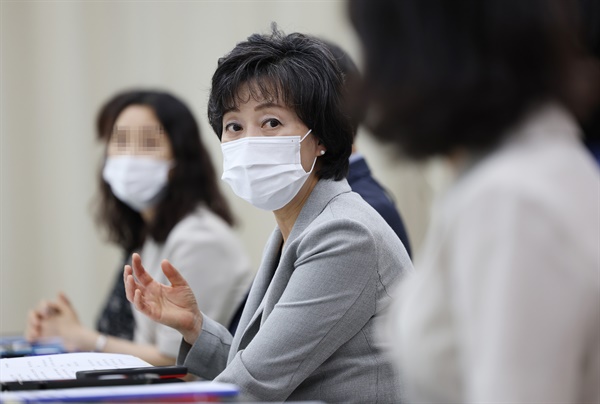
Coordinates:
158	196
505	303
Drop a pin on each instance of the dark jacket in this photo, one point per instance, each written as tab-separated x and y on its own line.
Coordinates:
362	182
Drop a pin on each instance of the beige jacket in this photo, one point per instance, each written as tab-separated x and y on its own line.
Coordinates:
505	303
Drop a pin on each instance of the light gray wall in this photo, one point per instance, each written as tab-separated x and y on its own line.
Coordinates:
60	61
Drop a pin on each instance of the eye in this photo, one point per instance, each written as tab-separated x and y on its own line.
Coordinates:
120	137
234	127
271	123
150	142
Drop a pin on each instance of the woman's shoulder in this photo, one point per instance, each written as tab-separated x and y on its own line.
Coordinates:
349	217
541	159
561	181
355	236
203	223
352	209
204	235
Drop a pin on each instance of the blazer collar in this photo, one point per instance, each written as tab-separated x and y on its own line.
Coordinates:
323	193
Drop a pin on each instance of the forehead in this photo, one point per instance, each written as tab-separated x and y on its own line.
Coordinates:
255	93
137	115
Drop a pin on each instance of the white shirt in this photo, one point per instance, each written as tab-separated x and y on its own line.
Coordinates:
210	257
504	306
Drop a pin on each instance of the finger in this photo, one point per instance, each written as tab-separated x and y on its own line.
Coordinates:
44	309
53	308
42	305
33	317
126	272
141	305
172	274
64	299
130	288
32	332
138	301
140	273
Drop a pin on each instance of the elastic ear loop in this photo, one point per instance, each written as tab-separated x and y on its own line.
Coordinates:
315	160
304	137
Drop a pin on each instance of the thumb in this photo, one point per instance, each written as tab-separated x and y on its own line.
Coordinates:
172	274
62	298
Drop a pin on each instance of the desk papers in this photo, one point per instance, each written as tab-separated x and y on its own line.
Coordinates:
63	366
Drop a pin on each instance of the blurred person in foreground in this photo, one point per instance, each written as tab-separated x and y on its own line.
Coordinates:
359	175
158	195
589	19
504	305
307	331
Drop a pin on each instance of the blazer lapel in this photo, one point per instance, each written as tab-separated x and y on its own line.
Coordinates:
321	195
270	282
255	304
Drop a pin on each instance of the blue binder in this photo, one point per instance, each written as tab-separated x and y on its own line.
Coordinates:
171	392
16	346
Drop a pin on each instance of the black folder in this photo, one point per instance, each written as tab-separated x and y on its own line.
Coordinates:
112	377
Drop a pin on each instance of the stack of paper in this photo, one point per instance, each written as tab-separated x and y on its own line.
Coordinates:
63	366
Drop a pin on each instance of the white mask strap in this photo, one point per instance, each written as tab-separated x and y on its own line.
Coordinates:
315	160
304	137
313	166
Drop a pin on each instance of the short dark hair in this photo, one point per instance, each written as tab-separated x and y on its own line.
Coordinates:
589	17
192	180
353	98
297	70
446	74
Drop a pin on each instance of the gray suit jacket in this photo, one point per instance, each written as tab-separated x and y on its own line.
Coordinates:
308	329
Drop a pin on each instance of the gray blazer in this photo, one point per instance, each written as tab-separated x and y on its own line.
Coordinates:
308	329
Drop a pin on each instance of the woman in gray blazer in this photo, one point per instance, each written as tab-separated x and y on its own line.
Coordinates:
308	329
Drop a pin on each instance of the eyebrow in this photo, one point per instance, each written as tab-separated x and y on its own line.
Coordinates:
266	105
156	126
259	107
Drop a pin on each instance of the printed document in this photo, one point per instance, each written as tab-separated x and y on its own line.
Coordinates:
63	366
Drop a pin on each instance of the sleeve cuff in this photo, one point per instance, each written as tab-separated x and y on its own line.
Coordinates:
207	357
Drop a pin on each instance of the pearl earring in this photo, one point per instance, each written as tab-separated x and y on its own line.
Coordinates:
322	152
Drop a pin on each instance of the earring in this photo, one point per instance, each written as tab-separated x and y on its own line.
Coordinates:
322	152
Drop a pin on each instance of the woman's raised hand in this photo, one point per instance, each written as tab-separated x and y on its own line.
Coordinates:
174	305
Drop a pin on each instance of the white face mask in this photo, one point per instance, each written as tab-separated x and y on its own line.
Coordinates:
265	171
137	181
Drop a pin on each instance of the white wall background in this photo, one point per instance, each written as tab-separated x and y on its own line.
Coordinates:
60	60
